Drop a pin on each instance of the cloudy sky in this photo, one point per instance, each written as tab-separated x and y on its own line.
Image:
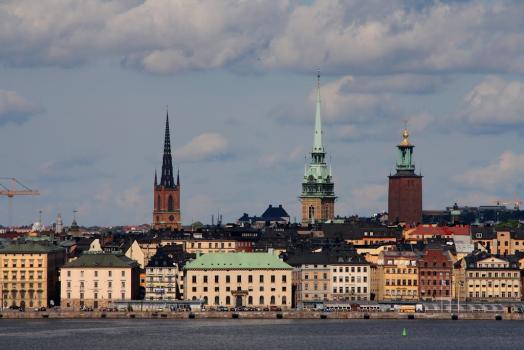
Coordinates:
84	87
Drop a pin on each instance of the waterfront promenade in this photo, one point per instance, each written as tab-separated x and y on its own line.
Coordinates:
262	315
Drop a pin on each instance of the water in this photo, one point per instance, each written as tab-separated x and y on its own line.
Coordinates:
259	334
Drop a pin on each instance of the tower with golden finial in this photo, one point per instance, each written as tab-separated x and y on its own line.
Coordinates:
405	187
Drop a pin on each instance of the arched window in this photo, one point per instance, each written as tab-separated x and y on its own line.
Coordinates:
170	203
205	300
284	300
311	212
272	300
217	300
250	300
158	207
228	300
261	300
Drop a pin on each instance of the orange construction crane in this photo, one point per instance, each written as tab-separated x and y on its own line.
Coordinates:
516	202
16	189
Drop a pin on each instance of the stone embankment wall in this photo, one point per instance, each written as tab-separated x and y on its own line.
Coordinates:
256	315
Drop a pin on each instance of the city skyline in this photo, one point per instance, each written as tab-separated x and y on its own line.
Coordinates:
82	103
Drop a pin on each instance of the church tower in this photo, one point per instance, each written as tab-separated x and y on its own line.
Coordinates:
166	202
318	190
405	187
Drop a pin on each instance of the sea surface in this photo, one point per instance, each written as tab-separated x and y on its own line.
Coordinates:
260	334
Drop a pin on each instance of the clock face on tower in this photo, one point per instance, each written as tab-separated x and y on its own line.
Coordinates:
171	218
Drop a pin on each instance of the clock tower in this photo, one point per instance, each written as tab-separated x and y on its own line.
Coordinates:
166	194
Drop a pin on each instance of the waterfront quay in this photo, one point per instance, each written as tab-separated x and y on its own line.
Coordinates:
291	315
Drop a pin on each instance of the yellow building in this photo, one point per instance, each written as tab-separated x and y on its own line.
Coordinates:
501	242
492	278
397	276
96	279
239	279
204	246
29	274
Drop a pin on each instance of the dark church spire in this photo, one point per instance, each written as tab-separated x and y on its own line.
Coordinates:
166	180
156	181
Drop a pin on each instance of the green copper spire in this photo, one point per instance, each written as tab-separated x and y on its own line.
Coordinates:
405	148
317	139
318	179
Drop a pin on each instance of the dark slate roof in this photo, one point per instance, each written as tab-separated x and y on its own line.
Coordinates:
30	247
349	231
102	260
170	255
275	212
325	258
474	257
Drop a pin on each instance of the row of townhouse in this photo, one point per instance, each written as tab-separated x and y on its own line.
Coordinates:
434	274
329	276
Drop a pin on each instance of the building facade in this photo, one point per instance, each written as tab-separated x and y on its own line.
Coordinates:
492	278
29	274
164	278
405	187
318	189
239	279
166	194
95	280
397	275
435	274
336	275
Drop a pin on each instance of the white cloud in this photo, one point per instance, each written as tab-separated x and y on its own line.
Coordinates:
396	83
169	36
340	106
493	105
159	36
206	146
438	37
15	108
277	159
368	198
506	173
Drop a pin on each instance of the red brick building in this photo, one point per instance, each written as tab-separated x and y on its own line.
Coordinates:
435	274
166	212
405	188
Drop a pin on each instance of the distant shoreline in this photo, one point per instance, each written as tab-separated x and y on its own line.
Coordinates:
286	315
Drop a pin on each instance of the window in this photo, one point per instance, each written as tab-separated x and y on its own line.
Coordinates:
228	300
239	278
261	279
193	279
96	273
216	278
272	278
110	273
217	300
205	279
68	273
272	302
123	273
250	300
228	279
261	300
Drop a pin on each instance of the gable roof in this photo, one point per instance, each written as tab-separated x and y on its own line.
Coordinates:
102	260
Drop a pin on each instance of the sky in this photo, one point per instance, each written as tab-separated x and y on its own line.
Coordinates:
84	87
